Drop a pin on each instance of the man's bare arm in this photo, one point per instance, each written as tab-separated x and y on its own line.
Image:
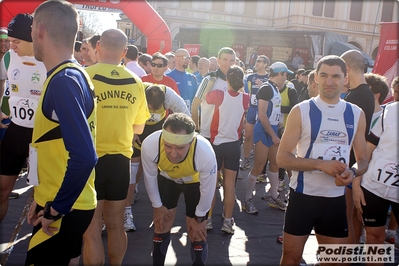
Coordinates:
194	111
360	147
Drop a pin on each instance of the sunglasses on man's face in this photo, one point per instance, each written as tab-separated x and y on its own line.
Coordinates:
259	61
157	65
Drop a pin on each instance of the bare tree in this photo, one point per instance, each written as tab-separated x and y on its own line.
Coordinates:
90	23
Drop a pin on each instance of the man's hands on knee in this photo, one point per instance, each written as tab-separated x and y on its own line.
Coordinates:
161	215
196	231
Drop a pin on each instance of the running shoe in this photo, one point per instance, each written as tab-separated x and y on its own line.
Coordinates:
128	223
267	195
244	164
228	226
208	225
249	207
280	238
281	186
262	178
13	195
390	236
277	203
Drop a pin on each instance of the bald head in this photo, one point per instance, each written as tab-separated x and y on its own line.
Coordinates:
182	59
114	39
112	46
355	60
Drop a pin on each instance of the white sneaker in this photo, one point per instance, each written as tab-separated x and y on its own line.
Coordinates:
128	223
249	207
228	226
277	203
391	236
208	225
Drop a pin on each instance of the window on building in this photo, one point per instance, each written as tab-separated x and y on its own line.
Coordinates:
329	7
356	10
186	4
387	11
323	8
317	8
218	6
127	32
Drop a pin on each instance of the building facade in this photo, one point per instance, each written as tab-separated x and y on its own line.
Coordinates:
358	21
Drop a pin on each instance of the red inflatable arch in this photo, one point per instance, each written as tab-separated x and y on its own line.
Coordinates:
140	13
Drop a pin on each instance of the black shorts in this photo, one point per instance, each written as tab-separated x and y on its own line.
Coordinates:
112	177
170	192
15	149
375	211
148	130
228	154
67	244
326	215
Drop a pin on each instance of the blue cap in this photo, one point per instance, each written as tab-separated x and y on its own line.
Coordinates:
280	67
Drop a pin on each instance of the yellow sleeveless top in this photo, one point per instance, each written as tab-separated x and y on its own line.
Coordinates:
51	172
183	172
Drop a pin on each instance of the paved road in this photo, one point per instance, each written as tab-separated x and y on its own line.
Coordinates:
254	241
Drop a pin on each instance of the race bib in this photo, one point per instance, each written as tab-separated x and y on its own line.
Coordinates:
386	172
32	177
330	152
254	101
22	111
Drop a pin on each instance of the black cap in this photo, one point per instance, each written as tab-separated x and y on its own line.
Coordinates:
20	27
304	72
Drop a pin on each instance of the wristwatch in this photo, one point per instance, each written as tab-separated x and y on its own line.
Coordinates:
47	212
199	219
354	171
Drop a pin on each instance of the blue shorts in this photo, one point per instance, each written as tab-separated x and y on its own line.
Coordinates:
261	135
3	130
252	115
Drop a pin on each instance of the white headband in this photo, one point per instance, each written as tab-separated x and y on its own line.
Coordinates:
177	139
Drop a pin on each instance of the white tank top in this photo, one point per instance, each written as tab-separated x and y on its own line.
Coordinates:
327	133
382	176
207	109
26	76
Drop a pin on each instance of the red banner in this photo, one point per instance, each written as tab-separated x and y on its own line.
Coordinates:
193	49
240	50
387	62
